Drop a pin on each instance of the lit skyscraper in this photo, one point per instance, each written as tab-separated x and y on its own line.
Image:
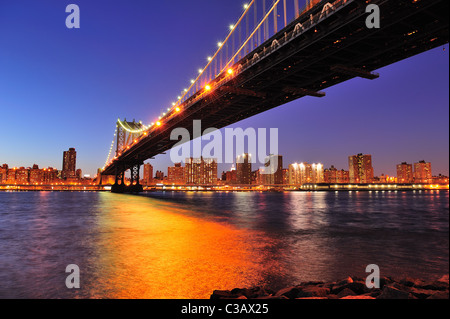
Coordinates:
303	173
244	169
148	174
405	173
273	170
360	169
422	172
175	174
69	164
200	171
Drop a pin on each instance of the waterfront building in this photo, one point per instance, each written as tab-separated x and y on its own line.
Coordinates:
200	171
334	176
303	173
422	173
244	169
36	175
405	173
3	173
175	174
22	176
273	170
360	169
148	175
69	164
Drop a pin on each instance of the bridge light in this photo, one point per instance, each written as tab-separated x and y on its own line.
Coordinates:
246	6
192	81
177	109
219	44
158	123
231	26
208	87
230	71
209	59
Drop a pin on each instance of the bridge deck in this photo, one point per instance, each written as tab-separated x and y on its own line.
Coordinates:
340	47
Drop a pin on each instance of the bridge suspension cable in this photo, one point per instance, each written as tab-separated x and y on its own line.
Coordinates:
111	148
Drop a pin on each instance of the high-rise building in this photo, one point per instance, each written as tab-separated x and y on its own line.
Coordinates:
422	173
231	176
69	164
244	169
175	174
22	176
299	174
334	176
159	175
148	174
209	172
3	173
201	171
36	175
273	170
405	173
50	175
360	169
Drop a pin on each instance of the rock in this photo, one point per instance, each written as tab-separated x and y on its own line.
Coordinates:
439	295
390	292
313	283
313	291
223	294
421	293
410	282
345	293
385	281
436	285
359	297
443	279
357	287
349	280
291	292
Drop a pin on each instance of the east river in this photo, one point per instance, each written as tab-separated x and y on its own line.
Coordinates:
185	245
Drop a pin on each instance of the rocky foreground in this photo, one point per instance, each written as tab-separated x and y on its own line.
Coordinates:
350	288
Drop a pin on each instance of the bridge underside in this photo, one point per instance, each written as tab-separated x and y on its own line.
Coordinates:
339	48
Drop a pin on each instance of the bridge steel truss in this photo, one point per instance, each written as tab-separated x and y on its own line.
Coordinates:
319	49
127	135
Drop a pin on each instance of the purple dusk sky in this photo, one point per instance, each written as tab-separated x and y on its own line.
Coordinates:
62	88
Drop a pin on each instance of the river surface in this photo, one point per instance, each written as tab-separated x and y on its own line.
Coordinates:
185	245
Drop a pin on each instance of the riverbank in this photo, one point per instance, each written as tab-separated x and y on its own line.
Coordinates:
350	288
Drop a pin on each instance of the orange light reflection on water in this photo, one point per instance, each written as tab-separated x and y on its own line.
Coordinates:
154	251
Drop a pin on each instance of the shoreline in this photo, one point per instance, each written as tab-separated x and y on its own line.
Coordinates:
349	288
149	191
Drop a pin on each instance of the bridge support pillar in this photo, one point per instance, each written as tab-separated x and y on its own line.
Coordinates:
119	184
135	186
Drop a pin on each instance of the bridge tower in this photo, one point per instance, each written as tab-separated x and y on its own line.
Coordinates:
127	135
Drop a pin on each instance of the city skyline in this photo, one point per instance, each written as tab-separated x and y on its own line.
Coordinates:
353	117
359	170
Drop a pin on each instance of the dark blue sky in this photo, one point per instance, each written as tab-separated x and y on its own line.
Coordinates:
62	88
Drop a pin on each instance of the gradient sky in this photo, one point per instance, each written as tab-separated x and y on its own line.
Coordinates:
62	88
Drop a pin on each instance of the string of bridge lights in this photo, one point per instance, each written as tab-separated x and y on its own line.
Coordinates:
111	148
176	106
